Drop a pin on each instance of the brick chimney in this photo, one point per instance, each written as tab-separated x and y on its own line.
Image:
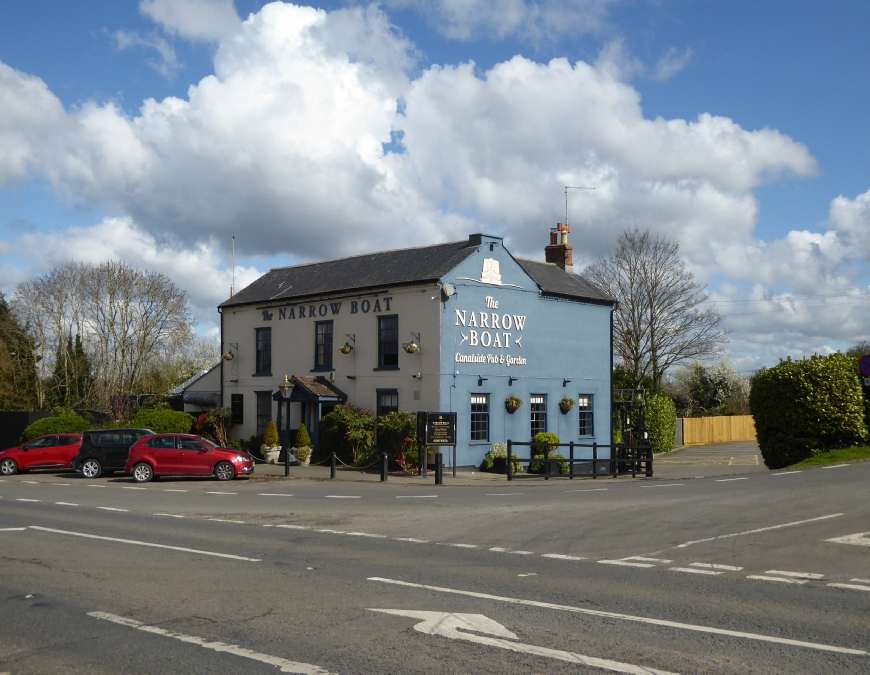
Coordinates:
560	252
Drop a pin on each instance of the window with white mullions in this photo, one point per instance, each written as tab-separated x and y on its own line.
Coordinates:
539	413
584	405
480	417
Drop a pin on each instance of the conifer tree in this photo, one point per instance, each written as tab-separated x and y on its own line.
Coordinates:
17	363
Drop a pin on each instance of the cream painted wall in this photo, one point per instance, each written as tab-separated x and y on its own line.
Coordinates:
419	311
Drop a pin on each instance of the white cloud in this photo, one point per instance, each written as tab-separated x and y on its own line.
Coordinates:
167	64
531	20
671	63
209	20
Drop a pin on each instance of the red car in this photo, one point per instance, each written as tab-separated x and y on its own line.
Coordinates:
55	451
185	455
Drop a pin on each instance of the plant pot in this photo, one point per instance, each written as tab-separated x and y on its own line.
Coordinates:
512	407
271	455
565	408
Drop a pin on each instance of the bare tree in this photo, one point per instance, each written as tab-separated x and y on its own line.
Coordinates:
661	319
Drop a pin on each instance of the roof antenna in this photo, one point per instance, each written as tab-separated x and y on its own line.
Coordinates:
571	187
233	287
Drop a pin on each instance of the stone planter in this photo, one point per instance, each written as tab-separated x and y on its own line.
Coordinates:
271	454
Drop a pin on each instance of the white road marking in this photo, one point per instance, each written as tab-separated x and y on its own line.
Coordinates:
860	539
12	529
529	574
628	617
32	482
285	665
782	580
59	483
272	494
836	466
96	486
665	485
292	527
144	543
222	493
455	627
785	473
652	560
169	490
331	531
693	570
169	515
725	480
589	490
458	545
65	504
110	508
626	564
861	581
796	575
128	487
416	496
28	500
559	556
508	550
366	534
761	529
224	520
412	540
852	587
712	566
503	494
342	496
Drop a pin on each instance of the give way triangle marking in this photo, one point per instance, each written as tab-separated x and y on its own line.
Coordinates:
860	539
457	627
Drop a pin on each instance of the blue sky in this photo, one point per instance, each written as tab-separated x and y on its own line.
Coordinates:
753	210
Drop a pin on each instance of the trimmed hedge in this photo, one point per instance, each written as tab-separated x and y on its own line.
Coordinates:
661	423
163	421
802	408
65	423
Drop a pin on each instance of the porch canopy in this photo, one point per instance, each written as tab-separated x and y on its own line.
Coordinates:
317	397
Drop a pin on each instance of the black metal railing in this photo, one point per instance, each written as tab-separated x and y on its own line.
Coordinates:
623	459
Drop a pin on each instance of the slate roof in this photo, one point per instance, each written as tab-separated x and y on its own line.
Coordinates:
553	280
318	386
372	270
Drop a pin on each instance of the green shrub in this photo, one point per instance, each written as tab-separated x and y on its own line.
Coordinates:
661	423
61	422
270	438
399	430
347	431
496	460
163	421
802	408
541	467
549	443
303	452
302	437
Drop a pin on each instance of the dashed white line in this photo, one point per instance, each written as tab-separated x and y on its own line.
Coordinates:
412	540
342	496
694	570
224	520
28	500
272	494
295	527
725	480
861	581
796	575
65	504
171	490
169	515
503	494
785	473
625	564
32	482
366	534
144	543
96	486
285	665
528	574
589	490
760	529
331	531
712	566
416	496
458	545
12	529
222	493
851	587
665	485
835	466
782	580
652	560
59	483
508	550
130	487
110	508
627	617
559	556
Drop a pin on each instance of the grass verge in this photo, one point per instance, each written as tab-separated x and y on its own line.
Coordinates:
835	457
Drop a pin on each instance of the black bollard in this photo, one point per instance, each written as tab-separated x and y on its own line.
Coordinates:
384	468
287	463
332	467
439	469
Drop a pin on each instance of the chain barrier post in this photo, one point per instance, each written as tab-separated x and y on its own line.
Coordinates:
571	464
384	468
439	469
332	465
287	463
547	461
454	461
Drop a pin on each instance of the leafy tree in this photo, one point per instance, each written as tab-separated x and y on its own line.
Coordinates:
349	432
701	390
71	383
661	319
399	430
18	359
661	423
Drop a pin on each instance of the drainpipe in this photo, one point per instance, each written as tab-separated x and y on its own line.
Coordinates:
220	311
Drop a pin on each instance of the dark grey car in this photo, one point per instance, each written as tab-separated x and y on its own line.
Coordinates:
105	451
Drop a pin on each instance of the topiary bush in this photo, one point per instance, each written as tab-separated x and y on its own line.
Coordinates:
661	423
548	442
164	421
302	437
802	408
270	438
496	460
61	422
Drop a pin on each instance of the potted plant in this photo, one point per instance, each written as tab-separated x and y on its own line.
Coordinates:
512	403
270	447
411	347
302	448
566	404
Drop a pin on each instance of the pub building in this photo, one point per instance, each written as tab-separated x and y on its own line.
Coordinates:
456	327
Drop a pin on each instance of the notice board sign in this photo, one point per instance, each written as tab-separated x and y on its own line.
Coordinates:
441	428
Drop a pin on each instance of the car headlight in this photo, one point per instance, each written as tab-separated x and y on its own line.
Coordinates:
240	458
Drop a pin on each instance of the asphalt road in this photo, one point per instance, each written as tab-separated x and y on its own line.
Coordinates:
733	574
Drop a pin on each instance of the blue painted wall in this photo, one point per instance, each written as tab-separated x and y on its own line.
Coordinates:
559	340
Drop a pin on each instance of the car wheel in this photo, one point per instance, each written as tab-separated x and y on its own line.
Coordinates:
8	467
142	472
224	471
91	468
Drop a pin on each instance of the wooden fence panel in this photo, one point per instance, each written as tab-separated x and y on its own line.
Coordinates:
707	430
